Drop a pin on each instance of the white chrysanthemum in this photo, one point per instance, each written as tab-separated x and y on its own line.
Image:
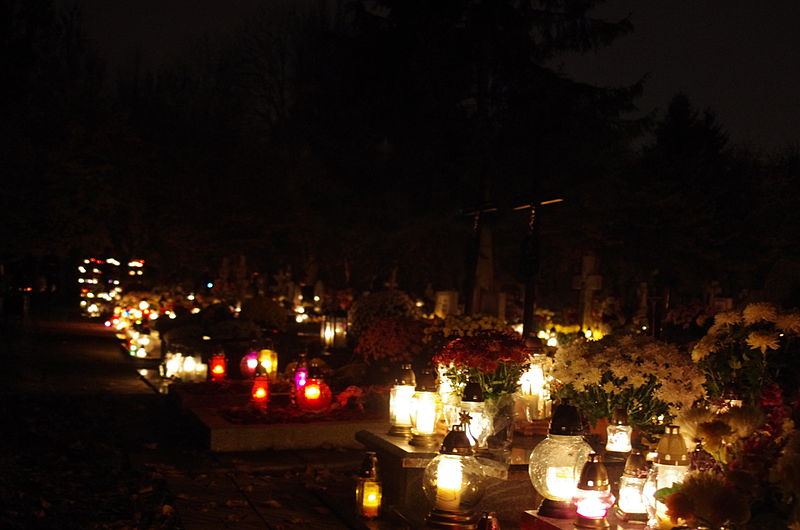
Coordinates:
759	340
757	312
702	349
789	323
727	318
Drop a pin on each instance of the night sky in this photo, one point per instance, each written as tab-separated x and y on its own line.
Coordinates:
738	58
190	139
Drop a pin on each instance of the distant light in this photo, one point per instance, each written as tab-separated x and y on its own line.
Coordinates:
190	297
209	285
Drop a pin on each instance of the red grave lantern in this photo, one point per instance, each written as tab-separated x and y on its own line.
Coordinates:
218	367
314	396
259	394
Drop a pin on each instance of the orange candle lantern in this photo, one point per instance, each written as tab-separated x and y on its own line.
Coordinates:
314	396
219	367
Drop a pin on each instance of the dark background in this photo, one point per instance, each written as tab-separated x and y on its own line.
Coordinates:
347	141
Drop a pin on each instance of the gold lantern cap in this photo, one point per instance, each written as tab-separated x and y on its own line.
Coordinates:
672	449
472	391
456	442
260	371
620	417
566	420
369	466
594	475
635	464
405	376
426	382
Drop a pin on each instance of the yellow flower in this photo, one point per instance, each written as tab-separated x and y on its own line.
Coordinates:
727	318
609	387
763	341
788	323
761	311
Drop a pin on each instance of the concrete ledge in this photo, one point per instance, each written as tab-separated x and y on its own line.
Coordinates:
224	436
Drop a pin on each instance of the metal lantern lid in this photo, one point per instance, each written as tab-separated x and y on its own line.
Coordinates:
635	464
472	391
426	382
369	466
566	421
672	449
406	376
594	475
260	371
456	442
620	417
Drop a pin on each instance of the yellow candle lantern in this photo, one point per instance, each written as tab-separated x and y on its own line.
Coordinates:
400	397
453	482
368	487
424	411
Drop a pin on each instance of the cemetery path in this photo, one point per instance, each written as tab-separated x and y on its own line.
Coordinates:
89	445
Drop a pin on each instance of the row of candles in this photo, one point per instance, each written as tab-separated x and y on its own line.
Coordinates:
309	391
563	468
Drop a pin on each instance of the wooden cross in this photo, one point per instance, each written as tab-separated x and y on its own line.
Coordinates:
530	261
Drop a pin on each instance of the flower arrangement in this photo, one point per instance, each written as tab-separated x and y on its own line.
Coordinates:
391	339
440	331
495	359
752	480
650	379
745	351
372	307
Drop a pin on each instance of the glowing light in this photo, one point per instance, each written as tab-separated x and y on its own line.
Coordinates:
592	504
143	305
312	391
209	285
448	483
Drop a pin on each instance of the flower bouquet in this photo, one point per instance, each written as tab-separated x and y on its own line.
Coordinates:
496	360
649	379
743	352
747	477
